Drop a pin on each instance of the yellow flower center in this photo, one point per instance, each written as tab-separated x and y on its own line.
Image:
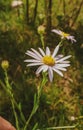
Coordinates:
65	34
48	60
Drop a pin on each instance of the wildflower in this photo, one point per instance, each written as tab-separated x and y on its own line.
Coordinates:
5	64
16	3
64	35
48	62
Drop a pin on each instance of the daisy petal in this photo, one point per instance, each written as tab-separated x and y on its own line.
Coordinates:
73	40
50	73
37	53
57	71
65	62
64	58
34	64
31	54
47	51
42	52
60	68
62	65
55	51
56	31
45	68
58	57
32	60
42	67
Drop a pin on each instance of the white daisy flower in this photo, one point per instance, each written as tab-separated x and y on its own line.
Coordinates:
48	62
64	35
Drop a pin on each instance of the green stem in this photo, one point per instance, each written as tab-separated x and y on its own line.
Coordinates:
9	91
42	40
36	101
16	104
27	122
61	127
15	114
60	43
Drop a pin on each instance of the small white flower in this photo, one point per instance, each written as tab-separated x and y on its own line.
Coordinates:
48	62
64	35
16	3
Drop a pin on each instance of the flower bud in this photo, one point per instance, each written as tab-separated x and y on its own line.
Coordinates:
41	29
5	64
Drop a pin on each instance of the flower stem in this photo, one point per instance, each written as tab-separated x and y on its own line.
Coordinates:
36	101
9	91
61	127
60	43
42	41
15	114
